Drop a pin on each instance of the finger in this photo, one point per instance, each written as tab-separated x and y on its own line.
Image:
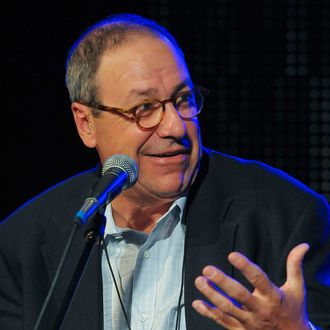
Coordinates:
219	299
216	315
228	285
295	277
253	273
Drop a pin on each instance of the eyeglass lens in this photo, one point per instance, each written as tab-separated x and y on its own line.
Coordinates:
188	105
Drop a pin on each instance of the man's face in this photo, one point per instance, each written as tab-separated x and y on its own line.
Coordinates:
167	156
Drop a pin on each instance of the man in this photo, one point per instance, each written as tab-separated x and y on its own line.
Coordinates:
166	261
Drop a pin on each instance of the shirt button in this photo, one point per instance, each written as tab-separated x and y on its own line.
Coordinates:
143	317
147	254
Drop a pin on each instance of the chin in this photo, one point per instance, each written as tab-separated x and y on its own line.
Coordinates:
165	186
170	191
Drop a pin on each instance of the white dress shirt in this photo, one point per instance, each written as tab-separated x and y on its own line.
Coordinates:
148	271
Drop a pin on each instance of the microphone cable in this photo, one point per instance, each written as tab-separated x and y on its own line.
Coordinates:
178	316
115	283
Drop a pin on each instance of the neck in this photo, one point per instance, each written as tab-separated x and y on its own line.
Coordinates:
128	214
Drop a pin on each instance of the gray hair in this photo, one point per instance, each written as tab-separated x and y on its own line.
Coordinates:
85	54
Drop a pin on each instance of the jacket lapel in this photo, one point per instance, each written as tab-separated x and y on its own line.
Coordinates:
86	306
209	237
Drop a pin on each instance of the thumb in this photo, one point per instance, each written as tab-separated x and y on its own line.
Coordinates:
294	268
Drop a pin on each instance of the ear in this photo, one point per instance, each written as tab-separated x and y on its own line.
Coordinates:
85	124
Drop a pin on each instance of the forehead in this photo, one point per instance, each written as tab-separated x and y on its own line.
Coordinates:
143	62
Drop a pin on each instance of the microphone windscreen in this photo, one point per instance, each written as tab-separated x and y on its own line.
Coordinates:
124	163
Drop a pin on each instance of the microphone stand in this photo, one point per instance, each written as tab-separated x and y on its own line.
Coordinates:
120	172
93	233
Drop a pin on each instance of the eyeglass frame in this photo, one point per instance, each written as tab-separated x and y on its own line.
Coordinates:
201	90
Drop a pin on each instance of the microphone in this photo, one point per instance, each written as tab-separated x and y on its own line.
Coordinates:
119	172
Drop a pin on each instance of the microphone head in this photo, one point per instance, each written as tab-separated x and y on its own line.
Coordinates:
124	163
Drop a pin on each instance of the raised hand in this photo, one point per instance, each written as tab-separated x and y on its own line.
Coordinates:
268	307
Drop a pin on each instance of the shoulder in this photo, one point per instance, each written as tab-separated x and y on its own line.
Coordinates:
254	180
54	205
260	195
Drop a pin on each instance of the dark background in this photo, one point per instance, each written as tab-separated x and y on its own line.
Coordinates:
267	64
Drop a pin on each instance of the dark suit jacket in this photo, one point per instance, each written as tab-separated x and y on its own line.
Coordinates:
234	204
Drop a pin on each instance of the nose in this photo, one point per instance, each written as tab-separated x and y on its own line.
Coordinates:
172	125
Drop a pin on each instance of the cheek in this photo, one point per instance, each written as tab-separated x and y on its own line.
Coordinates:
119	137
194	134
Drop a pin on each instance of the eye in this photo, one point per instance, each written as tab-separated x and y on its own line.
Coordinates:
147	108
186	100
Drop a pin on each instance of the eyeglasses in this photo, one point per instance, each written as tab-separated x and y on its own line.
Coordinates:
149	113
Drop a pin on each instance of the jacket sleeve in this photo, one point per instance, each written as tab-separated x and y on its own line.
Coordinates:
313	228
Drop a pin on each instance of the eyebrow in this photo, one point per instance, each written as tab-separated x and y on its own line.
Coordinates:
150	92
